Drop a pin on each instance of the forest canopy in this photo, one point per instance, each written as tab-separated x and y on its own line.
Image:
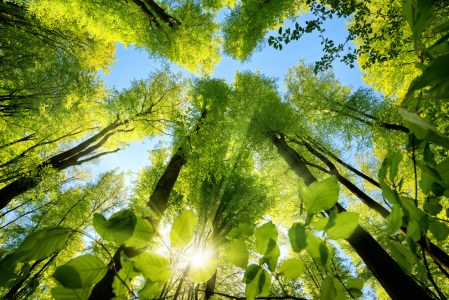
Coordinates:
315	191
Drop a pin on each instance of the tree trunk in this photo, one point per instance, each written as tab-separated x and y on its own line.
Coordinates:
210	284
396	283
158	203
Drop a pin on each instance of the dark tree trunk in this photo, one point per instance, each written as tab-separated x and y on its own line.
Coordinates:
158	203
393	279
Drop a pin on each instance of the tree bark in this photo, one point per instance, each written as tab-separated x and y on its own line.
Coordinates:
393	279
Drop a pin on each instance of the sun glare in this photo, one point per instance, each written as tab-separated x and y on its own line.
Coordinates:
198	258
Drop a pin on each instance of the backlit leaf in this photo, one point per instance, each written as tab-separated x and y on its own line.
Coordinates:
321	196
183	228
292	268
81	272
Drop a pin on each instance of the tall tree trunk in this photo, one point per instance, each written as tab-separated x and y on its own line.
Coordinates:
390	275
158	203
210	284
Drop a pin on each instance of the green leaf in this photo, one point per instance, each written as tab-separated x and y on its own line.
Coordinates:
355	286
37	245
331	289
143	234
422	129
203	271
320	223
271	259
238	253
62	293
394	220
183	229
292	268
317	249
149	290
423	16
321	196
40	244
345	224
154	267
244	229
257	282
432	206
118	228
266	237
395	159
81	272
297	236
126	273
403	256
438	229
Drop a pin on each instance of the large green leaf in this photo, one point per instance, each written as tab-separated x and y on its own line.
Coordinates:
149	290
297	236
266	237
438	229
238	253
41	244
142	234
317	249
422	129
153	266
118	228
402	255
332	289
183	229
321	196
355	286
271	259
203	271
37	245
81	272
62	293
394	220
292	268
344	225
257	282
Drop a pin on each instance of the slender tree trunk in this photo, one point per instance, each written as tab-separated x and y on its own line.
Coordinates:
396	283
158	203
210	284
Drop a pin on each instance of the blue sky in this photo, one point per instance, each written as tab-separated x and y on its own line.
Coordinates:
135	64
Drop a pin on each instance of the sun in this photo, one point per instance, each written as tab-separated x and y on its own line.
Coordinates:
199	257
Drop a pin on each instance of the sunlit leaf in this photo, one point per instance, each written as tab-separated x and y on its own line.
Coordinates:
266	237
321	196
154	267
183	229
292	268
238	253
345	224
297	236
203	271
81	272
